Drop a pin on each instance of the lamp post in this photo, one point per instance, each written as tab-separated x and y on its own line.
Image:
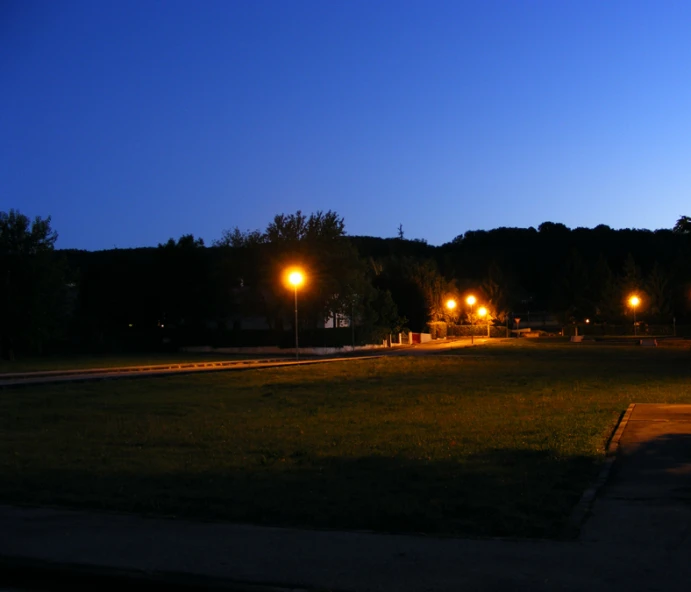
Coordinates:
482	313
295	279
471	300
634	301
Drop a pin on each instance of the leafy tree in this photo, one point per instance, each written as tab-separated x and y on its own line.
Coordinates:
683	225
184	290
606	293
186	241
33	302
494	288
571	288
21	236
631	280
386	317
119	296
236	238
336	276
431	284
553	228
657	289
417	287
320	226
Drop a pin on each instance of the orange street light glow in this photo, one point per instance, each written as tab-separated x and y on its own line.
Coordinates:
471	300
634	301
451	304
296	279
482	311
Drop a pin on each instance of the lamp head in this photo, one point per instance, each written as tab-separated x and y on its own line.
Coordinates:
296	278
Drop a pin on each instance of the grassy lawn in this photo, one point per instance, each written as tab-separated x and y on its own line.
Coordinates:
113	361
495	440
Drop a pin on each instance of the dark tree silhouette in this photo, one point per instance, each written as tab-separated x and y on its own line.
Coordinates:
33	294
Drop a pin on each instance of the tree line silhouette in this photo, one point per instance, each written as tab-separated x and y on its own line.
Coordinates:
184	292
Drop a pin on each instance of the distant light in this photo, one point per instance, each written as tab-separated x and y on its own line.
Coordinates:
634	301
482	311
587	321
451	304
471	300
130	325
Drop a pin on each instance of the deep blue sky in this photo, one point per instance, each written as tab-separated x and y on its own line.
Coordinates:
131	121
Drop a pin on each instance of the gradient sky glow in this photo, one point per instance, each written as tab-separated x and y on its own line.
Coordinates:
132	121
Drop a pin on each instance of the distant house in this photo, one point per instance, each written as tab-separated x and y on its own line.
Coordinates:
336	320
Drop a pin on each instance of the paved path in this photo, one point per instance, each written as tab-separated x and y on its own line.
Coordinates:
149	371
31	378
323	560
636	539
647	498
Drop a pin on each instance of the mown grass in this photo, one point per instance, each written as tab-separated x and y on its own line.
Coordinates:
497	440
39	364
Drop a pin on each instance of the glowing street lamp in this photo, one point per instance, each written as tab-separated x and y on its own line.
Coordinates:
634	301
451	306
482	313
296	279
470	301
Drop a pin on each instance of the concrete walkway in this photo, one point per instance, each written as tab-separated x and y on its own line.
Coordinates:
636	539
52	376
647	499
18	379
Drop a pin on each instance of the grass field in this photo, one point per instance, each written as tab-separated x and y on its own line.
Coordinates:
113	361
496	440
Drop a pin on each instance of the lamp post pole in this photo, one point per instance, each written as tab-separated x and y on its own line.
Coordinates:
297	350
450	305
472	327
296	279
634	301
471	300
352	323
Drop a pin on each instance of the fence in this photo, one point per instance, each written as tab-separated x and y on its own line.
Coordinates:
606	329
441	330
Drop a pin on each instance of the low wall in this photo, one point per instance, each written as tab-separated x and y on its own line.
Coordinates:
420	337
477	331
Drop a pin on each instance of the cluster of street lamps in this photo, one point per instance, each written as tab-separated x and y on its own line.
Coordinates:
471	301
296	278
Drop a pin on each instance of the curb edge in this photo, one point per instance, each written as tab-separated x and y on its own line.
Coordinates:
584	505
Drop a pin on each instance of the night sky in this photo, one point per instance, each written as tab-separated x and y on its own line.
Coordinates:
134	121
